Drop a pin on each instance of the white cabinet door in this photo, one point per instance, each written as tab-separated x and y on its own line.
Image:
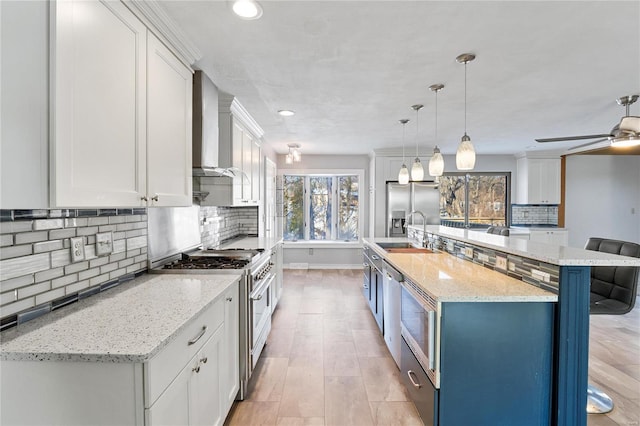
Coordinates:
256	161
172	407
169	124
237	162
538	181
204	385
99	103
230	368
247	145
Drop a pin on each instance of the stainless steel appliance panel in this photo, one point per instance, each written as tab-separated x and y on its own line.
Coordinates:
392	304
425	197
398	206
172	230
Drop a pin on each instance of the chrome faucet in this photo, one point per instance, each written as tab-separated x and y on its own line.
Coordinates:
424	223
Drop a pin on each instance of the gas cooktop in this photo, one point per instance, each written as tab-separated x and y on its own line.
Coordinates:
208	262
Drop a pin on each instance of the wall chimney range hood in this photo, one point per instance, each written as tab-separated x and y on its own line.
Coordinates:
205	129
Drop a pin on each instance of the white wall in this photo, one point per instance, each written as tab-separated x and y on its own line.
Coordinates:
601	193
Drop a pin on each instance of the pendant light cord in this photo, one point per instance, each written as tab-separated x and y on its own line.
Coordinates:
403	127
465	97
436	127
417	128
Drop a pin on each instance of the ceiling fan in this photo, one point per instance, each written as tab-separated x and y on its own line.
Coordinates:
625	133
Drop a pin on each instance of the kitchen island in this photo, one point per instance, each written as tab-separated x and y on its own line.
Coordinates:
562	271
151	351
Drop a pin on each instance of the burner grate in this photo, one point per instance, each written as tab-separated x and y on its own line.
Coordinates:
207	262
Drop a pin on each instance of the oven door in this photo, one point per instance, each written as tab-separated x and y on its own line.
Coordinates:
419	329
260	309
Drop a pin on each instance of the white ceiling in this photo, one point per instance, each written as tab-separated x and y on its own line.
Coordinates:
351	69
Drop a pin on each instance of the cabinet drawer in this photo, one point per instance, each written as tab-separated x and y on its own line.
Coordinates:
419	387
165	366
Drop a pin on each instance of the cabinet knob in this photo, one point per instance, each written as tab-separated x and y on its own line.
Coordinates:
204	360
229	299
196	369
144	198
155	197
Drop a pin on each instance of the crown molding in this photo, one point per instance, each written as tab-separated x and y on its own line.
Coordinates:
228	103
159	22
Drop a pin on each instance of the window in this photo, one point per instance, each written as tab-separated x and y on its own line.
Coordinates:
474	199
321	207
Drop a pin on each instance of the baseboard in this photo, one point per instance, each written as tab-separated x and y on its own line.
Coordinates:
322	266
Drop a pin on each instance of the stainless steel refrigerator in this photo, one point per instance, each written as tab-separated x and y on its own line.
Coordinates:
403	199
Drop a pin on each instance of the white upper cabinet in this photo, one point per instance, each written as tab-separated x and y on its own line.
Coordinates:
169	124
538	181
239	150
105	122
24	138
98	144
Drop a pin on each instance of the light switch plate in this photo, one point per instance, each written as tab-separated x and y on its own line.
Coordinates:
77	249
483	257
104	243
468	251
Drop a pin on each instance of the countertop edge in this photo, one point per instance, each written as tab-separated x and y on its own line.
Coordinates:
114	358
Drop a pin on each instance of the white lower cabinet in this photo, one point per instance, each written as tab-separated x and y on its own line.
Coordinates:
193	380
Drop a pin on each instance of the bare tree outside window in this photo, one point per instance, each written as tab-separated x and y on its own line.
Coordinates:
293	196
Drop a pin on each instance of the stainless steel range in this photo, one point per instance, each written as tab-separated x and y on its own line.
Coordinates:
174	248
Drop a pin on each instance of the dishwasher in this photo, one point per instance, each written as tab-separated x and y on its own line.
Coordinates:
391	308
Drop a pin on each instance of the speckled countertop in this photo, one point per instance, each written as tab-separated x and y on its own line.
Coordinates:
450	279
252	243
549	253
130	323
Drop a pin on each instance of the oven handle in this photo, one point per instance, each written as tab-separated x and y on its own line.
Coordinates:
259	292
432	338
413	382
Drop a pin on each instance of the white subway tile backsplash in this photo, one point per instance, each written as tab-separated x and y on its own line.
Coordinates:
35	258
12	268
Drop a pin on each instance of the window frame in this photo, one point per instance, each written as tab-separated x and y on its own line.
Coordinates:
334	174
507	192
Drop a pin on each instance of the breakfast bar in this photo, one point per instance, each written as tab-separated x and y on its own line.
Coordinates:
459	265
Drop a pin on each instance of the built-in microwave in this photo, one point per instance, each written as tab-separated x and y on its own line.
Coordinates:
418	316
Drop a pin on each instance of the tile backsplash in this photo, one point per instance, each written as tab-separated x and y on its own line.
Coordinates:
36	269
222	223
528	214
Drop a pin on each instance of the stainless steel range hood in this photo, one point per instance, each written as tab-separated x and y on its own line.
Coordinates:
205	129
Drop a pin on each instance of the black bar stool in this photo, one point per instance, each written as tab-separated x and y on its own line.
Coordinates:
613	292
498	230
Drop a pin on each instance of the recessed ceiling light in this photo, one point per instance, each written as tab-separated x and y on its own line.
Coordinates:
247	9
286	112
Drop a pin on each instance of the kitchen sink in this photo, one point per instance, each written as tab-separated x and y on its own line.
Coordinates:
402	247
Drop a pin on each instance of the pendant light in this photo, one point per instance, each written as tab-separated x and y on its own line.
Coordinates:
403	175
417	172
288	159
466	154
436	163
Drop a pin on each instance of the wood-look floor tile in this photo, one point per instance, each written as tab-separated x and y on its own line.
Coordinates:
300	421
395	413
600	420
362	320
284	318
311	305
369	343
253	413
346	402
307	345
309	324
626	410
340	359
303	394
279	343
382	379
618	380
267	381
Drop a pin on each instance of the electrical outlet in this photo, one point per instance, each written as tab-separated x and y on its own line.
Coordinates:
468	252
450	246
512	266
104	243
310	252
501	263
77	249
483	257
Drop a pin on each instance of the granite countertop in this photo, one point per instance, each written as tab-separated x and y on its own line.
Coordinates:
548	253
251	243
450	279
130	323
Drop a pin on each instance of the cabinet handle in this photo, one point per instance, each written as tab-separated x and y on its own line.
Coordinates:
204	360
195	339
365	264
229	299
417	385
144	198
374	257
196	368
155	197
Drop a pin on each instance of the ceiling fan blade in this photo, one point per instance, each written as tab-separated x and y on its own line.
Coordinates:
572	138
587	144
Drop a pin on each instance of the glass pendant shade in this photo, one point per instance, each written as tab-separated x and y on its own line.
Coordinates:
403	175
417	172
466	155
297	156
288	159
436	163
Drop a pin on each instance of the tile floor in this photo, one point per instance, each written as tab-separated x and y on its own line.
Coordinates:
325	362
